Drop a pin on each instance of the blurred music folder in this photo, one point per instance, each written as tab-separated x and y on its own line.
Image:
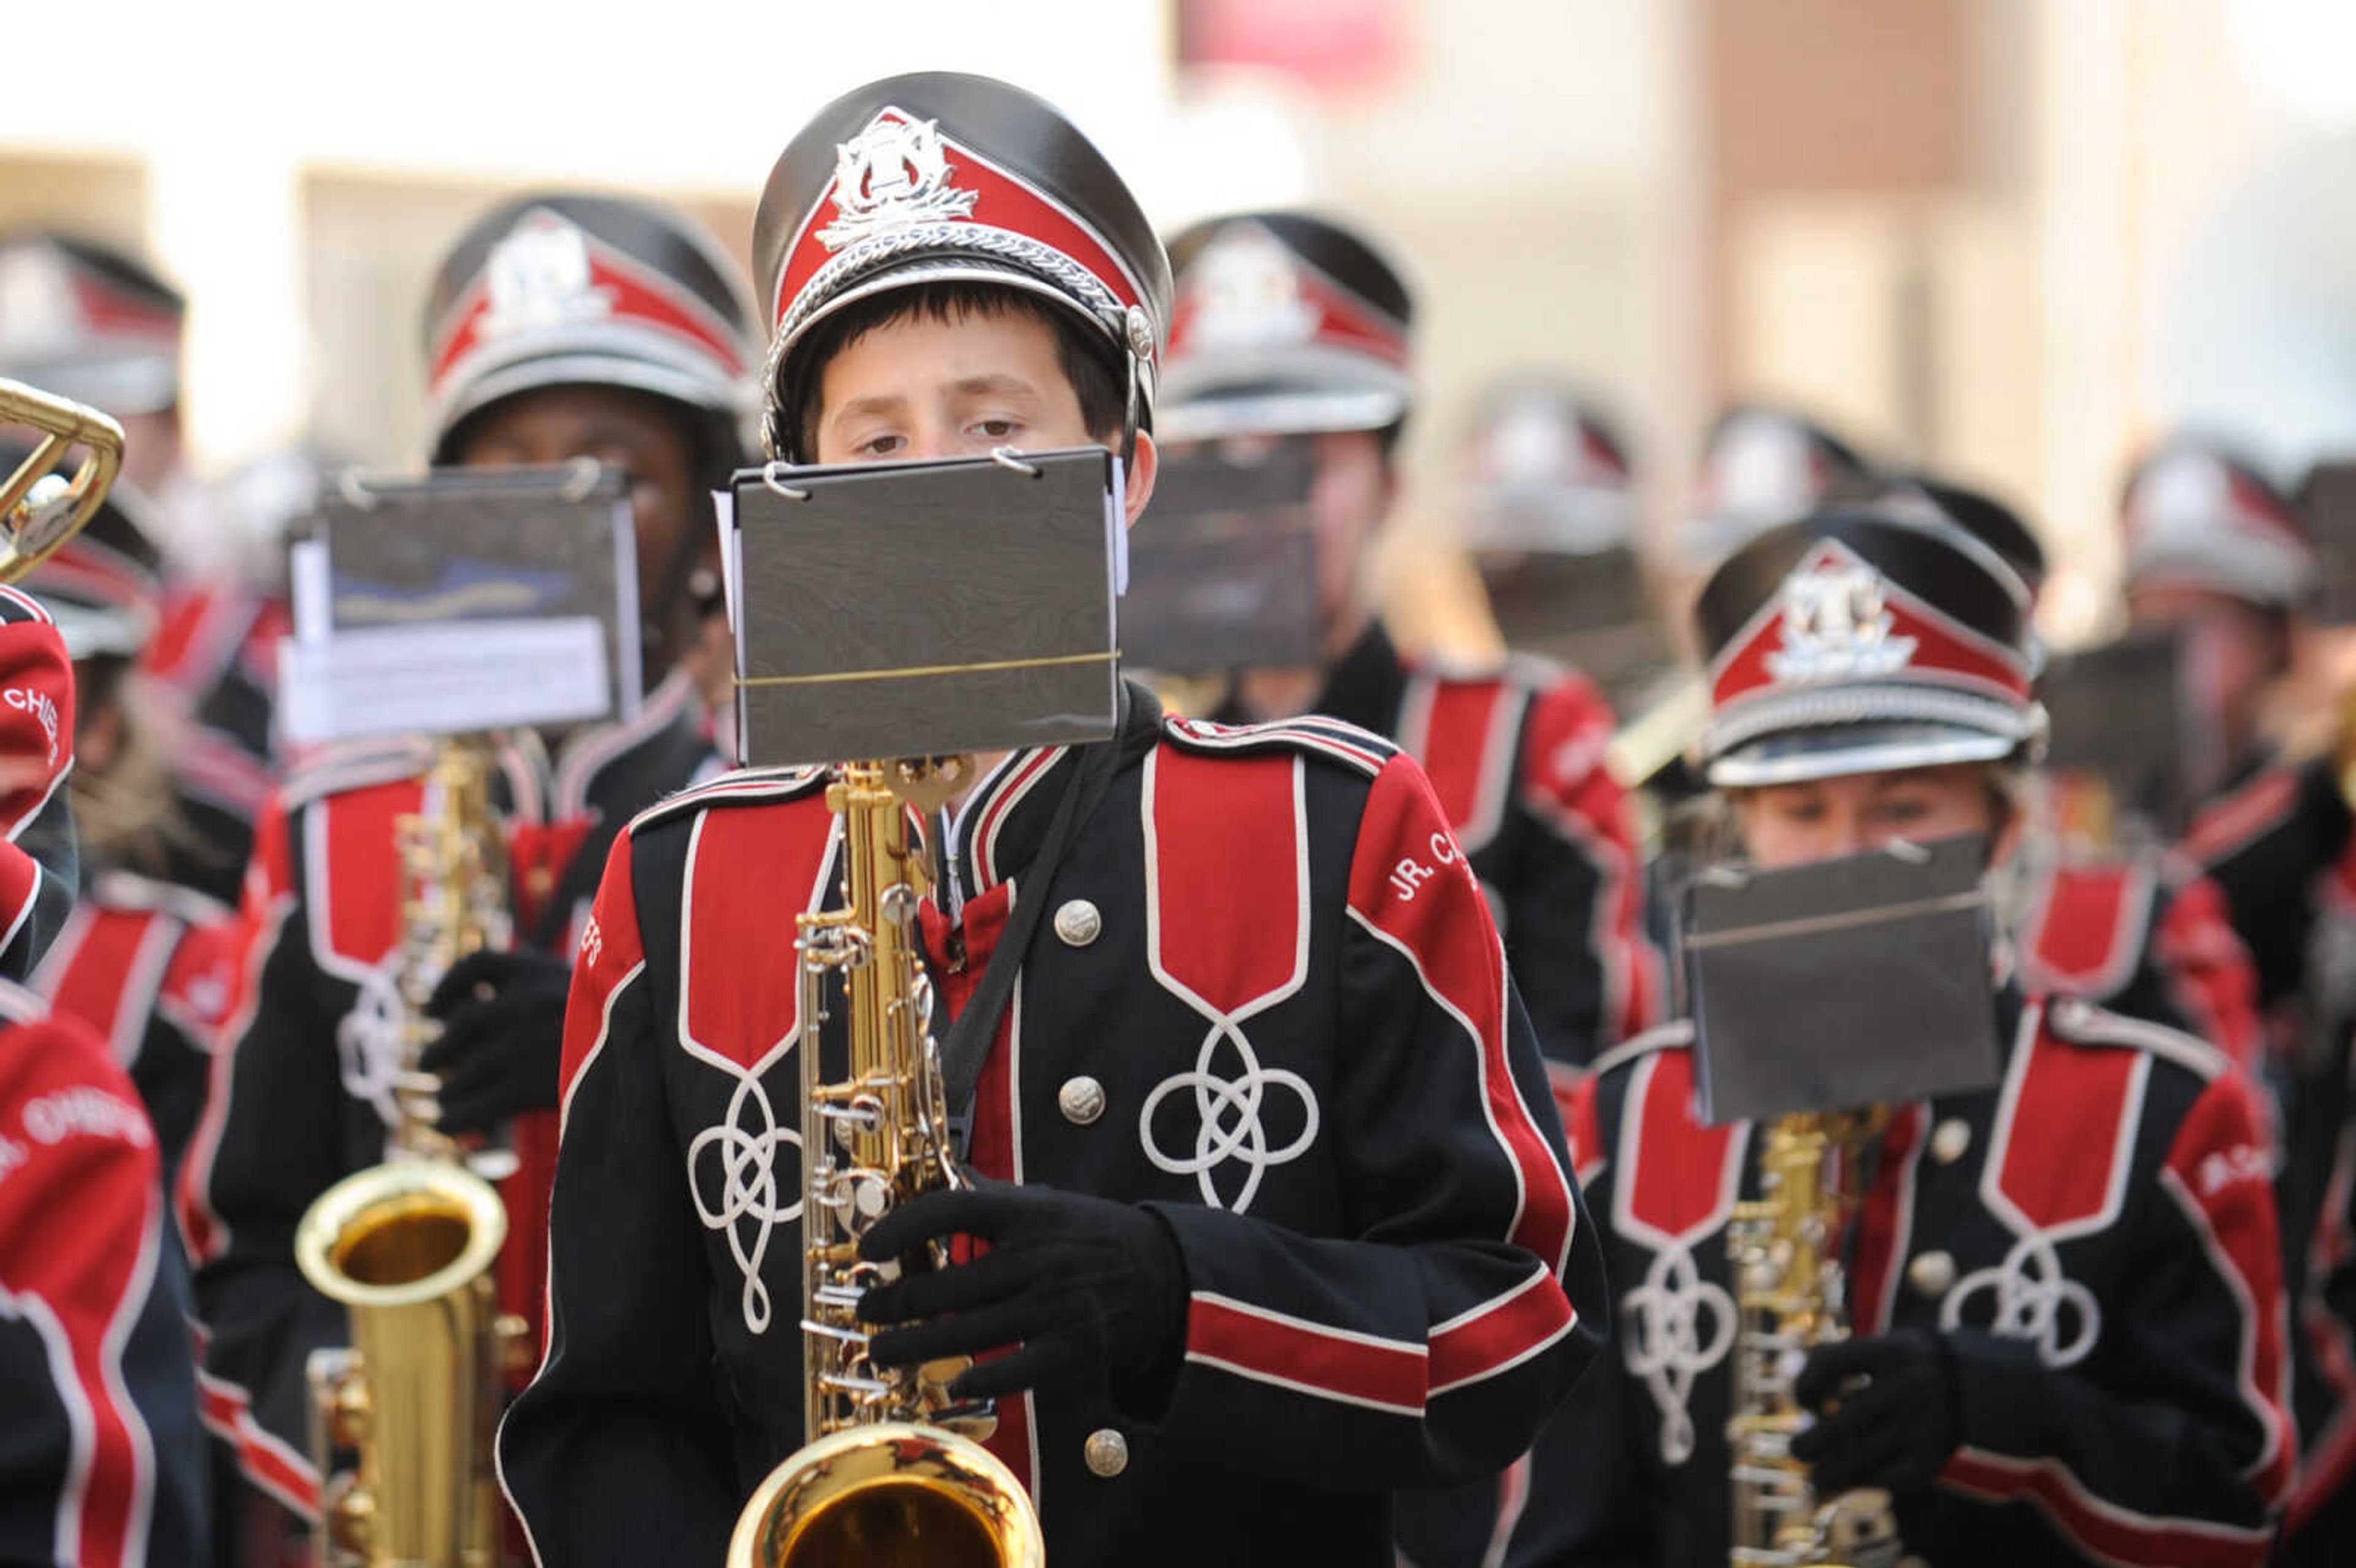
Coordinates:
2117	714
1860	981
462	601
924	609
1222	566
2326	498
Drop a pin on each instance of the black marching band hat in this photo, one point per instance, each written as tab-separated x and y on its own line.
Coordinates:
1761	466
2194	515
562	288
104	587
1287	324
1854	641
1546	469
89	323
936	177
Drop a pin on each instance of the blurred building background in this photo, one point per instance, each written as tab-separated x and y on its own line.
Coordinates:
2009	237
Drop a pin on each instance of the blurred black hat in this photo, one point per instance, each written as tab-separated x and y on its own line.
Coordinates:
560	289
89	323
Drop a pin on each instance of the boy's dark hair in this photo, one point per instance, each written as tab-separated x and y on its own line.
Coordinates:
1100	381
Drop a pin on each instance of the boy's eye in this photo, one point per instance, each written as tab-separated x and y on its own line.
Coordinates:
879	445
997	429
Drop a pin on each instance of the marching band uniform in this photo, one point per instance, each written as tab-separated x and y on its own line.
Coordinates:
542	293
101	1461
2077	1270
1328	1121
2277	842
142	962
38	861
1289	325
93	324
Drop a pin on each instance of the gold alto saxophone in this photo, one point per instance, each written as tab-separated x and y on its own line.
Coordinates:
891	1473
1790	1296
407	1246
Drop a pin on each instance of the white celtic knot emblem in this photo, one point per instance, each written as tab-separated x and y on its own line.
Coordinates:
894	174
1837	626
2033	1298
367	1045
747	1209
1668	1345
1227	1125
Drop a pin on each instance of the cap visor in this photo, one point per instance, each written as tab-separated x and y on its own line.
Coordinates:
1843	751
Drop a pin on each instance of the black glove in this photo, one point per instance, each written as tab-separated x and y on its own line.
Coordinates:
1093	1291
502	1043
1897	1429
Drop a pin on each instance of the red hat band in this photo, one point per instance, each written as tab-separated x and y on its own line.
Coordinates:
1839	622
902	186
550	276
1249	292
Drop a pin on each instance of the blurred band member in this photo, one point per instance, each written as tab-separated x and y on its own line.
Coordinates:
144	963
1292	326
2117	1177
559	328
102	327
2216	555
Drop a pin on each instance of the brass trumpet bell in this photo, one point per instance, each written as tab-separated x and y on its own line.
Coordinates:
890	1495
40	509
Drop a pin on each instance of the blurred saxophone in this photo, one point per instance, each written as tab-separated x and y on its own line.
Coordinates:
891	1473
1790	1295
406	1246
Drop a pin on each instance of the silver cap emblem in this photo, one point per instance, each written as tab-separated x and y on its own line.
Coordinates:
894	174
1244	292
1835	626
539	276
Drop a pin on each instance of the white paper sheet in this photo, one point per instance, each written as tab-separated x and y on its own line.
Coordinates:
444	679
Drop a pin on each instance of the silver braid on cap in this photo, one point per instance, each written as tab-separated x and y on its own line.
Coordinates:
947	241
1871	705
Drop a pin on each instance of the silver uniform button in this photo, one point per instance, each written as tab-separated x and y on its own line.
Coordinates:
1107	1452
1932	1273
1082	1100
1079	923
1949	1139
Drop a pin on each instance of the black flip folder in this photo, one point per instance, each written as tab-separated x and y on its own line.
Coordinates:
1841	984
926	609
2118	714
1222	566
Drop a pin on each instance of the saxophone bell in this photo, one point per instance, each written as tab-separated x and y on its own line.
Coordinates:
406	1247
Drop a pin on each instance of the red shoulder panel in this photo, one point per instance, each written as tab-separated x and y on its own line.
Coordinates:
105	969
1679	1179
352	857
1463	732
2089	929
750	870
1215	824
2064	1133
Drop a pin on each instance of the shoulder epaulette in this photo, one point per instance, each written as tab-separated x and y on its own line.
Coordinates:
358	765
1330	737
740	786
127	890
1676	1034
17	607
2081	1022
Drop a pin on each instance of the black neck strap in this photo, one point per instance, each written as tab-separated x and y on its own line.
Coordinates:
966	1046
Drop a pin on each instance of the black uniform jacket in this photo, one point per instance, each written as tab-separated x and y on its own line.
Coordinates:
1515	752
102	1462
1268	1003
148	966
2094	1238
301	1088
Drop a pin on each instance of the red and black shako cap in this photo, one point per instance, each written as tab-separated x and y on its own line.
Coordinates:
562	288
89	322
104	586
1286	322
2195	514
938	176
1546	469
1850	641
